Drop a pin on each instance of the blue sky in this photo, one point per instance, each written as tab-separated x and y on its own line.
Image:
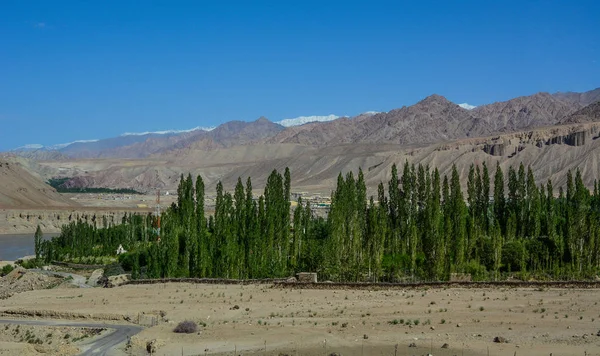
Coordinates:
84	70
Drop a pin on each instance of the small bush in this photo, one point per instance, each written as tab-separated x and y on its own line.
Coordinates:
186	327
113	270
6	270
30	263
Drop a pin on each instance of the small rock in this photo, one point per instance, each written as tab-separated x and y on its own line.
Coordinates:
598	333
500	340
445	346
151	346
458	325
235	307
432	327
412	344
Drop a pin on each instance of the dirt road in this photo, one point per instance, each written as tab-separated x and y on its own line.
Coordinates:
104	344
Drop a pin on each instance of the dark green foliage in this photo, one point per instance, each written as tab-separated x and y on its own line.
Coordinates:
6	270
59	185
37	240
424	228
30	263
114	269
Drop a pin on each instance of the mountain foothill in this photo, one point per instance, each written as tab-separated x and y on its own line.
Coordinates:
552	133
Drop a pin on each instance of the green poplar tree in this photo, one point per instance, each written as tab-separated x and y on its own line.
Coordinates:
38	238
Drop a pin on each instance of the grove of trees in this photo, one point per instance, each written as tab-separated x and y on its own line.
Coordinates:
420	226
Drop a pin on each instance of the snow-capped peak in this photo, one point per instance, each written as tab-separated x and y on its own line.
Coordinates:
467	106
306	119
33	146
166	132
63	145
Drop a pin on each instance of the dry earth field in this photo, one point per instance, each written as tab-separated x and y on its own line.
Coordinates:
349	322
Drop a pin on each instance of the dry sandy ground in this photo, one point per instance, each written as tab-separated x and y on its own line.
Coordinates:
351	322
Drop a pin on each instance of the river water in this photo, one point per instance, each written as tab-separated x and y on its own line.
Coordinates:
13	247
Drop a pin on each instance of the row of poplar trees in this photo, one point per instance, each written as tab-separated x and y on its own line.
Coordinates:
424	227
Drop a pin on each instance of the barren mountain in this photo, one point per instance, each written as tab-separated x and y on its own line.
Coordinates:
583	99
40	155
550	151
435	119
19	189
590	113
434	131
430	120
232	133
127	146
526	112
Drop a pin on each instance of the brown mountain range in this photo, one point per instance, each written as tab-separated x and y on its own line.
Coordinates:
552	133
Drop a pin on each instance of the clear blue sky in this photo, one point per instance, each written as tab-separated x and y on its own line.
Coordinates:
83	70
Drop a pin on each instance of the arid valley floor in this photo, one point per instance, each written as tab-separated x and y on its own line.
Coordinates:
249	318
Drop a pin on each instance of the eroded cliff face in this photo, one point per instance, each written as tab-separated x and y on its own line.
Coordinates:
24	221
509	145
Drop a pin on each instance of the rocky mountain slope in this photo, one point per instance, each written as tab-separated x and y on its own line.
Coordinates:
527	112
584	99
18	188
590	113
552	133
433	119
550	151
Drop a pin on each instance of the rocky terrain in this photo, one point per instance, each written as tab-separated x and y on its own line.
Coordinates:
551	132
19	188
584	99
22	280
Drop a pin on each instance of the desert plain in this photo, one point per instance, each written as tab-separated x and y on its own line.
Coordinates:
266	319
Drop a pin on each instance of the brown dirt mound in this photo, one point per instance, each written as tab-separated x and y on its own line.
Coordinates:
22	280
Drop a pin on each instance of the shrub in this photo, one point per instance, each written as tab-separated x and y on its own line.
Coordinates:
30	263
113	270
6	270
186	327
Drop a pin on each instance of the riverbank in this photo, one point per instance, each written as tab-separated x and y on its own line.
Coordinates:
25	221
17	246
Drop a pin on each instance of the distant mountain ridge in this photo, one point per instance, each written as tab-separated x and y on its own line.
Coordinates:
584	99
551	133
433	119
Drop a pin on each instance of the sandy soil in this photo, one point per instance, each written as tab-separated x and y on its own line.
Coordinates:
52	340
351	322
